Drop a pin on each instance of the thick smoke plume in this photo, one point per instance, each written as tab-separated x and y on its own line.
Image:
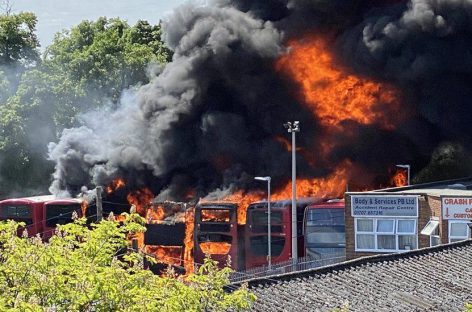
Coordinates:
212	119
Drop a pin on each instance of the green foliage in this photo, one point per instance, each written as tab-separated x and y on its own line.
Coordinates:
84	69
90	269
18	42
468	307
107	56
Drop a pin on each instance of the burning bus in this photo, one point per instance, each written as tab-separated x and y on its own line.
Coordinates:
217	234
256	237
165	234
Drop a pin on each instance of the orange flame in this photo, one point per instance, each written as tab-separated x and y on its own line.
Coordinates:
115	185
331	91
243	199
140	199
400	178
332	186
211	215
286	143
139	237
188	241
215	248
83	208
166	254
154	214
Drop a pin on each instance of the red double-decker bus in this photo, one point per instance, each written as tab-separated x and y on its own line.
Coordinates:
217	233
57	212
41	214
28	210
324	230
256	241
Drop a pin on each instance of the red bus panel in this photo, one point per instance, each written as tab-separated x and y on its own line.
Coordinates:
256	239
28	210
325	230
58	212
216	233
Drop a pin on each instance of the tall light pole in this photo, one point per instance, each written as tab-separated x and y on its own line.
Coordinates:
269	233
293	128
407	167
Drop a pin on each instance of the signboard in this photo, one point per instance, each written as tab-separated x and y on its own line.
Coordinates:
384	206
456	207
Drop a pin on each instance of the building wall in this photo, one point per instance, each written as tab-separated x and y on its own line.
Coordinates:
425	211
424	214
435	204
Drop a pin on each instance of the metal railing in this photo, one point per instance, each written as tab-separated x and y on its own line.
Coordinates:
288	266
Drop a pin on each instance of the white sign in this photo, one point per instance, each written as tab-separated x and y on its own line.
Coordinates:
456	207
384	206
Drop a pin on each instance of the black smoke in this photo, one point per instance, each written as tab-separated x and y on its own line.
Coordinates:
209	120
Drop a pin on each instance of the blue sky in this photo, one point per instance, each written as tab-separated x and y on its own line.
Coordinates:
56	15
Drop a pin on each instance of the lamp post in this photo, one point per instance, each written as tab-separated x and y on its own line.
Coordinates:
407	167
293	128
269	238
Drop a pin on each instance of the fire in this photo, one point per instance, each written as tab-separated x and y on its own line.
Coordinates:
332	92
243	199
400	178
166	254
211	215
188	241
140	199
154	214
215	248
287	144
115	185
83	207
139	238
331	186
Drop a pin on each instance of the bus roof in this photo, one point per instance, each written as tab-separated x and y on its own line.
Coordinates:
217	205
28	200
333	203
64	201
285	203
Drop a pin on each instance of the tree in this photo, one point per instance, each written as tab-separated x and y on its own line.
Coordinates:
18	41
107	56
82	70
90	269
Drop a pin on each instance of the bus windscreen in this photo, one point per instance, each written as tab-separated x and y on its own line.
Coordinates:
20	213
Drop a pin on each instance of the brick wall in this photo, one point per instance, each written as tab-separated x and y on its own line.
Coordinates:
425	212
435	204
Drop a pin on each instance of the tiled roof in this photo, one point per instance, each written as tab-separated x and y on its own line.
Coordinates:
429	279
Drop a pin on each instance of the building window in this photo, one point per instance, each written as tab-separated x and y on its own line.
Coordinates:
385	235
431	229
458	230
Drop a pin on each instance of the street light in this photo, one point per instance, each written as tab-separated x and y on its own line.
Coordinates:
407	167
269	239
293	128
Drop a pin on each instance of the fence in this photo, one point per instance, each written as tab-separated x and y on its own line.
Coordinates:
287	267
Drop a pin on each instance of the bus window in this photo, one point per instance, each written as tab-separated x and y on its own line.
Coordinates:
260	217
259	245
215	215
325	231
60	214
17	213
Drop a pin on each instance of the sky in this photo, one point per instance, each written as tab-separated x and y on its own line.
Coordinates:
56	15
